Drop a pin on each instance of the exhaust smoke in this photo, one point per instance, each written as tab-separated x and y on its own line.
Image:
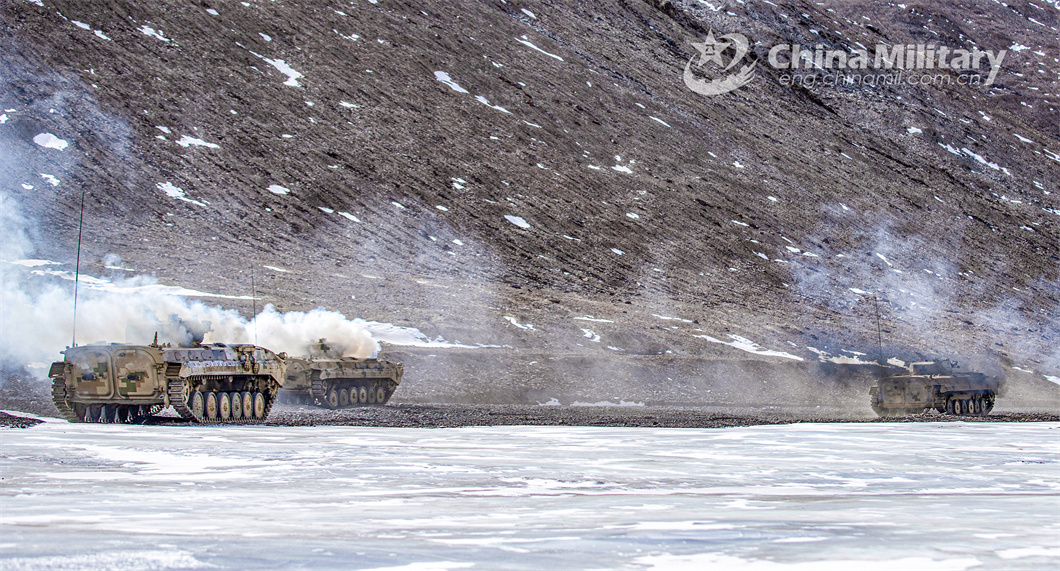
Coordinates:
36	310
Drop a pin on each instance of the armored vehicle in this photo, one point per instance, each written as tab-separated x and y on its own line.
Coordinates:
934	384
212	383
326	378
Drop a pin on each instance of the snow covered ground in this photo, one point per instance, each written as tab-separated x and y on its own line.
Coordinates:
945	496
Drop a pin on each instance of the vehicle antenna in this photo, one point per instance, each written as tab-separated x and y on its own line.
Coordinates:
879	332
77	264
254	308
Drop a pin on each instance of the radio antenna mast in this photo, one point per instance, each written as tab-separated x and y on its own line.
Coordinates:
254	306
77	264
879	332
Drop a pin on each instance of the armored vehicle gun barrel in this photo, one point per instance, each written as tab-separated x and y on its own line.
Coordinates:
213	383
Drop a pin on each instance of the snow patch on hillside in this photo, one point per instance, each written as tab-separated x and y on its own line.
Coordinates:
138	285
526	42
515	322
591	318
34	263
408	336
281	66
186	141
49	141
444	78
668	318
487	103
173	191
979	159
518	221
149	31
744	344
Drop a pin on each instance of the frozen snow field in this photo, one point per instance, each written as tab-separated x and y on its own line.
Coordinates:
934	496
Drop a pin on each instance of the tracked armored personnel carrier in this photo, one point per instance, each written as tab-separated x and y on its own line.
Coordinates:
934	384
326	378
213	383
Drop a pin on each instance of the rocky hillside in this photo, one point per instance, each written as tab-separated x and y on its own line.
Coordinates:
536	175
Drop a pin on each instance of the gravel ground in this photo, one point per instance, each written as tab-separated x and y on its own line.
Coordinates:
451	415
12	421
500	415
33	397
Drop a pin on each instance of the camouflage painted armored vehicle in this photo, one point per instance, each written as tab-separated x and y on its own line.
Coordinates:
326	378
934	384
213	383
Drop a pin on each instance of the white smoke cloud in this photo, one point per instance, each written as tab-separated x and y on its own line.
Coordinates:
36	311
293	330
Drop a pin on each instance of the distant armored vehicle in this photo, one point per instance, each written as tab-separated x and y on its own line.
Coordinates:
326	378
213	383
934	384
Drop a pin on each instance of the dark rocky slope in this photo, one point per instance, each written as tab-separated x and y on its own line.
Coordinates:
752	213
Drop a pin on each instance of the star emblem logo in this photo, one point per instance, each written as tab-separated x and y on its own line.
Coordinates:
711	50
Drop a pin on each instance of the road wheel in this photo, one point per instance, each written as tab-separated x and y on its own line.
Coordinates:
362	395
371	395
211	405
237	405
248	404
197	404
344	398
224	406
380	395
259	406
332	400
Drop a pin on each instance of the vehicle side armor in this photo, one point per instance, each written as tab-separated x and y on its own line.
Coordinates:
212	383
